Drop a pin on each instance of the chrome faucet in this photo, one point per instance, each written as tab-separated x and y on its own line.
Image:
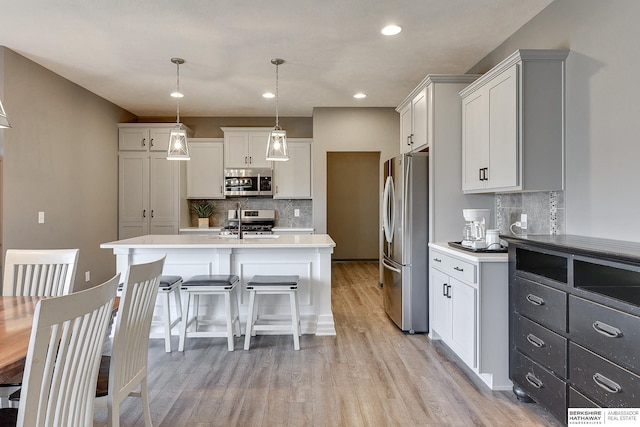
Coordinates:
239	214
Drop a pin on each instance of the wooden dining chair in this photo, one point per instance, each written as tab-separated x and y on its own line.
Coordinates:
61	369
127	367
43	272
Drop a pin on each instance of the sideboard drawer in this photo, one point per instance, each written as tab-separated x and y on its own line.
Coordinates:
454	267
607	331
601	380
542	345
579	400
541	303
540	384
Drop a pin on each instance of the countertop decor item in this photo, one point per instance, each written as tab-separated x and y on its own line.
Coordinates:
277	145
203	210
178	146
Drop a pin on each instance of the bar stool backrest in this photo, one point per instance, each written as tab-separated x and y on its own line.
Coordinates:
42	272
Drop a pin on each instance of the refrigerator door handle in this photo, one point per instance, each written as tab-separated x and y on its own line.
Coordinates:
389	266
388	210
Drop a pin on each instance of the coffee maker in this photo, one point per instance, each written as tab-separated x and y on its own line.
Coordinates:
476	221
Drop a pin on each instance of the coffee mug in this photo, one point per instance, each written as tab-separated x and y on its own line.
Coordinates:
493	239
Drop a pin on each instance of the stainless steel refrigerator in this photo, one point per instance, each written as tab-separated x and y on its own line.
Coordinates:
405	211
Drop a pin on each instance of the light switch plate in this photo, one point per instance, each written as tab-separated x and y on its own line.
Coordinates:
41	217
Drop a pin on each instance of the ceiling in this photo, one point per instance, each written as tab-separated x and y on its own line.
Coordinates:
121	49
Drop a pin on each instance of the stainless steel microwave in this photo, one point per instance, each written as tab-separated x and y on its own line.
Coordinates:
247	182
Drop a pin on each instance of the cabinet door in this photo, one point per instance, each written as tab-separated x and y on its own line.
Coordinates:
475	139
503	150
133	139
405	129
292	179
235	149
159	139
440	318
463	321
133	195
164	192
258	150
420	121
205	171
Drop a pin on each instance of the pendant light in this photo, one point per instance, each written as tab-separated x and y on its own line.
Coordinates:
178	148
277	145
4	120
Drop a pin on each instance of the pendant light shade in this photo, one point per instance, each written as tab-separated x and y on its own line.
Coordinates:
178	146
4	120
277	144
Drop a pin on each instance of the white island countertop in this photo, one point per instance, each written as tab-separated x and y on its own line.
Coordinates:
178	241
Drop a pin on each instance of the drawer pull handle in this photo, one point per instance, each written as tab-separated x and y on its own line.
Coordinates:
531	379
458	269
606	384
535	300
535	341
437	260
606	330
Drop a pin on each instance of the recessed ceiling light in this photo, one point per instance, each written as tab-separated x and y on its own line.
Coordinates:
177	94
391	30
360	95
268	95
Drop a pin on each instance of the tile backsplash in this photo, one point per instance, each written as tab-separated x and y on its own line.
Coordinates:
545	212
284	210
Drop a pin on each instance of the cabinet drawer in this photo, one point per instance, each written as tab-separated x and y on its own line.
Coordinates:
608	332
579	400
545	347
541	303
601	380
454	267
540	384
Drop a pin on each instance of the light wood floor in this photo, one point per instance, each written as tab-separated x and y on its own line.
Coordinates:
370	374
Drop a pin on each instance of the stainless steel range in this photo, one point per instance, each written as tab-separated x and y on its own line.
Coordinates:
252	221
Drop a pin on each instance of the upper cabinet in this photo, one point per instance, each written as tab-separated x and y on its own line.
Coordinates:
145	136
415	120
513	125
292	179
205	170
246	147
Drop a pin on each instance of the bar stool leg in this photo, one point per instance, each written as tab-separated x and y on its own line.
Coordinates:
179	319
185	320
295	320
227	305
249	329
236	315
167	321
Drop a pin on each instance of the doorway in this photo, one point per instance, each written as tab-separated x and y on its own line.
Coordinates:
353	211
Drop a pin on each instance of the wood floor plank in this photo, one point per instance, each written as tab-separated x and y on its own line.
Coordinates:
370	374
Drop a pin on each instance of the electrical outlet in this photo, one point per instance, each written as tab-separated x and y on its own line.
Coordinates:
87	276
296	212
41	217
523	221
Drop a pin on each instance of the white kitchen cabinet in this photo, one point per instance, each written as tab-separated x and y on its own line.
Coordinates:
205	170
292	178
468	309
148	183
513	125
415	120
246	147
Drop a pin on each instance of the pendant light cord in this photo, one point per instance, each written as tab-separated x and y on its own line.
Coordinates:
178	91
277	125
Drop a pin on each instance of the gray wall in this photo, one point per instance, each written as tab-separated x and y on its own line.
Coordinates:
602	149
60	158
349	129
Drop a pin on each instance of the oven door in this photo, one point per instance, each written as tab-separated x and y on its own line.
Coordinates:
241	186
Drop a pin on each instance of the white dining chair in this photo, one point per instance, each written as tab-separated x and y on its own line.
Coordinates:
42	272
39	272
63	358
127	372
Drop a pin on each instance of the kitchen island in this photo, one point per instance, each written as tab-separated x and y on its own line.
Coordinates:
307	255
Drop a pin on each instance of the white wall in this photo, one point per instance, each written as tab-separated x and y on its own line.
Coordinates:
602	118
349	129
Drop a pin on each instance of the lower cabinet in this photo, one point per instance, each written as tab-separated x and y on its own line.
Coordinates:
574	323
466	293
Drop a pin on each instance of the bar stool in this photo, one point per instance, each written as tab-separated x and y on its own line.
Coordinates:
170	285
224	285
272	285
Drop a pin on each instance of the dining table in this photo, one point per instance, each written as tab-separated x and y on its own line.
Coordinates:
16	318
